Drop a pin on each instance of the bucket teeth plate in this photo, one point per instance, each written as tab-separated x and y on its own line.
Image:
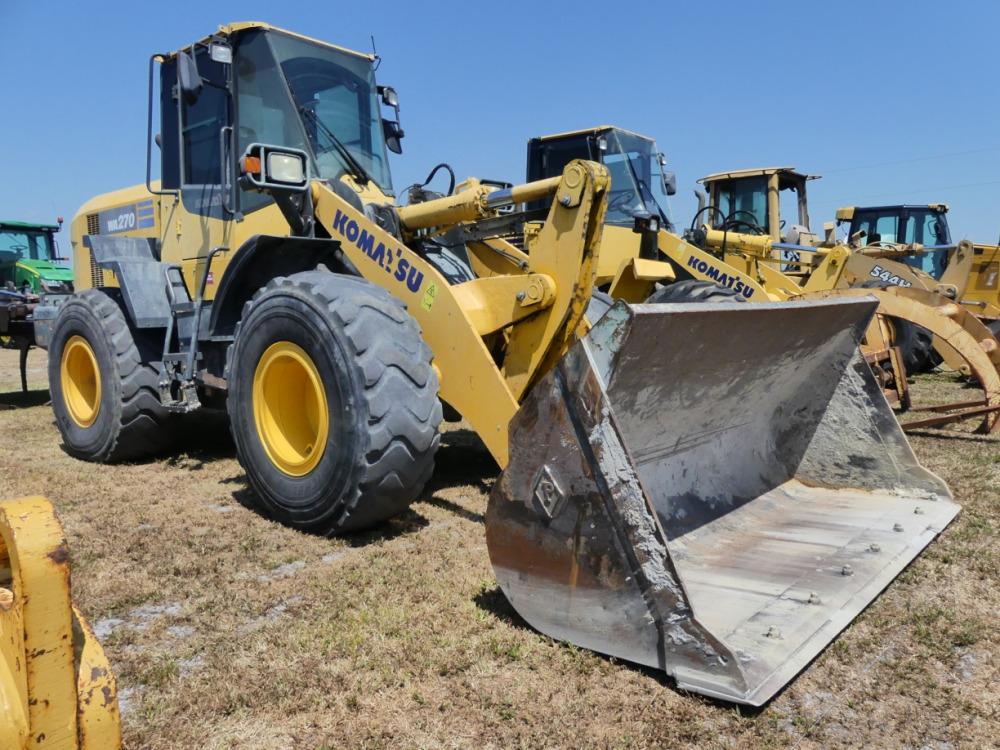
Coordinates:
713	490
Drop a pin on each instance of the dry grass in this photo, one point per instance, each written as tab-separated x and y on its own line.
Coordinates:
229	631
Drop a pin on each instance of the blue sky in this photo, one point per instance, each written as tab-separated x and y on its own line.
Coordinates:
889	107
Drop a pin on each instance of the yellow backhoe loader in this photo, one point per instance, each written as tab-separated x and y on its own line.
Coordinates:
57	691
730	252
919	237
715	492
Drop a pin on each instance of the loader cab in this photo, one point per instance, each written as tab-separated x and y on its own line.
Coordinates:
640	182
926	225
754	201
255	84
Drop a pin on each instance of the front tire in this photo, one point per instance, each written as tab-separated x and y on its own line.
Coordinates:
333	402
103	387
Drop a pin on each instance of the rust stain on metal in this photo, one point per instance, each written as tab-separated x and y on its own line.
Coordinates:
60	554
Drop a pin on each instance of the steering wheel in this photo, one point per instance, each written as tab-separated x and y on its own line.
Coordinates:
732	222
621	200
19	249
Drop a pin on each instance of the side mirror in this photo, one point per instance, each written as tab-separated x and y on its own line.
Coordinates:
393	134
389	96
669	182
391	129
188	77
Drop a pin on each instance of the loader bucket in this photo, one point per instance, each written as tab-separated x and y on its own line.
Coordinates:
713	490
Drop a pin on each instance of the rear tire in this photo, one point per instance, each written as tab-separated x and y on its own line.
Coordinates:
694	290
104	391
353	442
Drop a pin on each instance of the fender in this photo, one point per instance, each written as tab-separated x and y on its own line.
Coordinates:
262	258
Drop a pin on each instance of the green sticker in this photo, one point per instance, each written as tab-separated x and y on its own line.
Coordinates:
428	301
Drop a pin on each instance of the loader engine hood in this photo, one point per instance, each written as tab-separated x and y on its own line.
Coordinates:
724	489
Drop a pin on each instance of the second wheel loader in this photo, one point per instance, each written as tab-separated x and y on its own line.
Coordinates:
715	492
737	248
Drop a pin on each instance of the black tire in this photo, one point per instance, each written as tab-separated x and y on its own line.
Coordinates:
915	342
130	422
381	393
694	290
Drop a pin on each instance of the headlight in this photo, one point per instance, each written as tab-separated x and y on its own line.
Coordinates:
55	287
264	167
288	168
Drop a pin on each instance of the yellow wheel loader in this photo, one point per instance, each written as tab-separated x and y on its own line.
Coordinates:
715	492
57	691
917	312
734	249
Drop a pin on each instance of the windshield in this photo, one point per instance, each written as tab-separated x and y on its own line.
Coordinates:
636	178
335	95
926	227
742	200
25	244
905	226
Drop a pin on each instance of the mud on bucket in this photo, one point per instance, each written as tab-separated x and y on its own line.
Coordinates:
715	491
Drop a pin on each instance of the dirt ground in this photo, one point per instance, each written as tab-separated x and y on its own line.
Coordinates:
229	631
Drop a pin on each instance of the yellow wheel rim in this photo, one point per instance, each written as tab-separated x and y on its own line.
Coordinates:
289	408
81	381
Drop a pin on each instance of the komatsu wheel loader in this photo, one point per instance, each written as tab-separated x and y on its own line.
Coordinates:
734	249
731	251
715	492
57	691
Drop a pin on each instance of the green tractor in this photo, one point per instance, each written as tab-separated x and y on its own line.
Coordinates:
29	259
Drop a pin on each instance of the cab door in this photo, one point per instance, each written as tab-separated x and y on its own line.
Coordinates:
196	142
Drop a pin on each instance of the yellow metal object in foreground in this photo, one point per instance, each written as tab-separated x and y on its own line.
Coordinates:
56	687
290	409
81	381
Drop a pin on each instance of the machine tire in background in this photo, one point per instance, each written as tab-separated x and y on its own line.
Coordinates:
694	290
103	387
333	402
915	342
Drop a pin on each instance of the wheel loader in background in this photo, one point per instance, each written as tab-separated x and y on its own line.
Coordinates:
740	253
57	691
747	230
713	491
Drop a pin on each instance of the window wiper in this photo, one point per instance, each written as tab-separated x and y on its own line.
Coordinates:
352	163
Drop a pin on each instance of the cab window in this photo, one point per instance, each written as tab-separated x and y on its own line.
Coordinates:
743	200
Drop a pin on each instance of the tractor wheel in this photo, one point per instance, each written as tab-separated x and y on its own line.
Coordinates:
333	402
104	391
694	290
915	342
